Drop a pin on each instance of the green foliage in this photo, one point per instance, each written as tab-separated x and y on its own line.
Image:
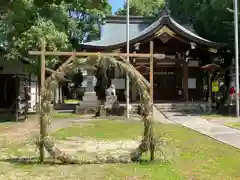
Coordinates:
210	18
142	7
28	21
217	22
77	79
4	5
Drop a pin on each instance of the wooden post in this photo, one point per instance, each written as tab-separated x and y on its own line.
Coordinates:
42	121
185	80
133	88
209	92
17	97
152	145
151	72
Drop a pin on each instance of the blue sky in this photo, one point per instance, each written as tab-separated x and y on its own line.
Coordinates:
116	4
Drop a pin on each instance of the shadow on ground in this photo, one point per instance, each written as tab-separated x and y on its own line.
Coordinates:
50	161
30	161
8	121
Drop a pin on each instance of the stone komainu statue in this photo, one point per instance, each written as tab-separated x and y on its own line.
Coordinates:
111	91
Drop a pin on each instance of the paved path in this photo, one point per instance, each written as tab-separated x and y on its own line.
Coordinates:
216	131
159	117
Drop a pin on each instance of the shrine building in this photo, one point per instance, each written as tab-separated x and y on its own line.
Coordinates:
185	52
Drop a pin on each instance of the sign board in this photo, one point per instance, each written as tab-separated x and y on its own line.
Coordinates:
118	83
215	86
192	83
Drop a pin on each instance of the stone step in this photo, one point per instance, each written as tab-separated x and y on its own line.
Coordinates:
89	93
181	107
65	106
85	107
90	98
89	104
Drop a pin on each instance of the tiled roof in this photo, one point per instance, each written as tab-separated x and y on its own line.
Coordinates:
114	30
116	33
113	33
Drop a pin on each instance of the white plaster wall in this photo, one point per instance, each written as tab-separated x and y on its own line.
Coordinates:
34	95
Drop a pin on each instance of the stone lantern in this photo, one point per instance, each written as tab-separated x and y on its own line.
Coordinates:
90	99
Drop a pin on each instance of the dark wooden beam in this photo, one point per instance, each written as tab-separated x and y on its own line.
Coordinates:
151	72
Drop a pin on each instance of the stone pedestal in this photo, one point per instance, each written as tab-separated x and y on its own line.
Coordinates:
89	100
110	101
113	107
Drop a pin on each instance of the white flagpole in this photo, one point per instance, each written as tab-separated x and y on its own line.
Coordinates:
127	77
236	55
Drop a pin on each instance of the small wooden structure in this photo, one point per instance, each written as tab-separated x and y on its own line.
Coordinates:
18	89
210	68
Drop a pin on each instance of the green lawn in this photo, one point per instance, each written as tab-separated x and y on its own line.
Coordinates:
103	129
199	157
71	101
217	116
56	115
234	125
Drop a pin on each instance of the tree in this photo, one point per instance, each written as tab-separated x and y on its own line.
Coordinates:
142	8
78	79
4	5
210	18
55	21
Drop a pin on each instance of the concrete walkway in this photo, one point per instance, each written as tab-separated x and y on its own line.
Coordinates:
159	117
216	131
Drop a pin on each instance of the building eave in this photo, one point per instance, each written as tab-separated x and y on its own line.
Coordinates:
152	29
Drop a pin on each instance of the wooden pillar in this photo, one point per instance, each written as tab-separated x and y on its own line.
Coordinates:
151	72
30	100
60	94
36	96
133	86
115	72
17	89
185	80
152	143
210	92
133	93
42	120
57	95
